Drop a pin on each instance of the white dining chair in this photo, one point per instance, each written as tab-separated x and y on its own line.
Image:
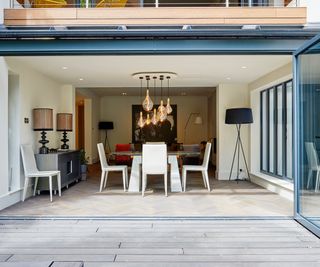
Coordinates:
198	168
31	171
154	161
313	162
106	168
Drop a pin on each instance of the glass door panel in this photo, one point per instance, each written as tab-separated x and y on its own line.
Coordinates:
307	99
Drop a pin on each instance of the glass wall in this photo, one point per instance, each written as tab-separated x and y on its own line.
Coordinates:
308	134
276	130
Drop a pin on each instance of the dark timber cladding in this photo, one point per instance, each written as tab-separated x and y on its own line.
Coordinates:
139	40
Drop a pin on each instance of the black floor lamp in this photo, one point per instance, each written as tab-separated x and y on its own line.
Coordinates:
239	116
106	125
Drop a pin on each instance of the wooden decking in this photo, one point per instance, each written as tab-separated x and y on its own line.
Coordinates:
175	242
155	16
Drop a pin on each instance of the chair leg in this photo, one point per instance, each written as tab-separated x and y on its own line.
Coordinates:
124	178
316	189
26	181
184	179
205	173
309	178
59	183
35	185
105	179
50	187
127	175
204	178
102	180
144	180
166	183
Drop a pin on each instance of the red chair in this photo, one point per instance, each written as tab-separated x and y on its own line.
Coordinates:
123	160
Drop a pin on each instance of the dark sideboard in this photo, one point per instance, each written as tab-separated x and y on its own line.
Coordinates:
67	162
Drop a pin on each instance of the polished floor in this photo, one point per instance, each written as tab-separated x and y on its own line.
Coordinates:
227	198
158	243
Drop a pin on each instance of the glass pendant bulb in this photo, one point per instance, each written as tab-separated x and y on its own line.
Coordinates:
168	107
162	111
141	120
147	102
154	119
148	121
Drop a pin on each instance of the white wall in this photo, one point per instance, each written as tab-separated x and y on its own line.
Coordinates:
230	96
119	109
313	10
35	90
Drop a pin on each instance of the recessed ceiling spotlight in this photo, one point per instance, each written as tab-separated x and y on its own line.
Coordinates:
228	78
243	67
64	68
81	79
183	93
124	93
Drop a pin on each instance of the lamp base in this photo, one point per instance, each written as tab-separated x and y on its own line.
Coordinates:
64	140
43	141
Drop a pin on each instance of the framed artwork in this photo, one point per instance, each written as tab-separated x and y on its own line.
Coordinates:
165	131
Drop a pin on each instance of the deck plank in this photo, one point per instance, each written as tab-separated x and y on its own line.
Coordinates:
159	242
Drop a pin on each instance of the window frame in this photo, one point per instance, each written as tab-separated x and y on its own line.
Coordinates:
283	86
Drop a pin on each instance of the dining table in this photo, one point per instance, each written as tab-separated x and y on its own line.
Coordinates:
135	175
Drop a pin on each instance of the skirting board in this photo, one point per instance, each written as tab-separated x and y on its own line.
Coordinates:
13	197
282	188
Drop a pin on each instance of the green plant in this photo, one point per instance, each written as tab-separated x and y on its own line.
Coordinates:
83	3
83	159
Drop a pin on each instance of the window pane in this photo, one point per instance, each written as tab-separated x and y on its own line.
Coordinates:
264	131
289	144
279	130
271	130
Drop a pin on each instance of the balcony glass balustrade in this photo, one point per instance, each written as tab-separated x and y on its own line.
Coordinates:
149	3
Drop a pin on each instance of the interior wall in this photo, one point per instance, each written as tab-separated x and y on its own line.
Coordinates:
230	96
38	90
273	78
91	120
119	110
14	132
212	123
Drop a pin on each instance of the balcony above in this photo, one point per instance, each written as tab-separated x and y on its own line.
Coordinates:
155	16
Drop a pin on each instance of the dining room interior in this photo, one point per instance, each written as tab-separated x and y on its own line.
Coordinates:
149	135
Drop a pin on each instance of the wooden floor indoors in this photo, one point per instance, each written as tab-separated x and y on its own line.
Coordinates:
227	198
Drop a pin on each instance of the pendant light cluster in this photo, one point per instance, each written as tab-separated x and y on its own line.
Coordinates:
154	115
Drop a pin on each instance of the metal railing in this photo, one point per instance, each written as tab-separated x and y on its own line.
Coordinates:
149	3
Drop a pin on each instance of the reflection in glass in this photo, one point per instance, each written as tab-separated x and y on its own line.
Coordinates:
309	134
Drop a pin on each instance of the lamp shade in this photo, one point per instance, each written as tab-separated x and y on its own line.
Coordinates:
198	120
42	119
239	116
64	122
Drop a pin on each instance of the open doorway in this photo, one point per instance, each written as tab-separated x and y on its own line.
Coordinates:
204	87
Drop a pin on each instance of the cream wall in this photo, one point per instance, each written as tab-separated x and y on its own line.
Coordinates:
230	96
35	90
118	110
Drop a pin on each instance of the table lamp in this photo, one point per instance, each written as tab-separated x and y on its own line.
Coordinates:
43	121
64	124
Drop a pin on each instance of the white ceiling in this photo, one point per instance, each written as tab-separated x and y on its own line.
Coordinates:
111	75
